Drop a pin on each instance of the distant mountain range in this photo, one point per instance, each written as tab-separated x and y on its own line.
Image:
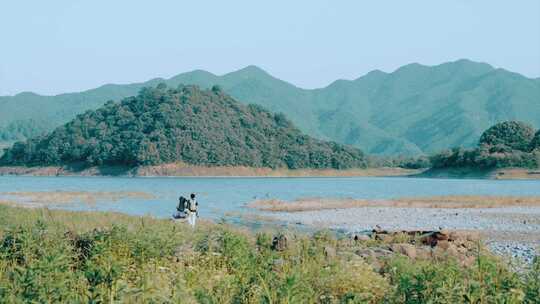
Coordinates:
416	109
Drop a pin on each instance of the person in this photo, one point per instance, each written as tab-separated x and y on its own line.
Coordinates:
191	210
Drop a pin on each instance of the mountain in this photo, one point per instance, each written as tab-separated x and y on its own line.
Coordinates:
184	124
414	110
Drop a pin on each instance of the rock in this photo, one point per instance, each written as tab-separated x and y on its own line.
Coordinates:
373	253
438	252
366	253
423	253
443	245
428	239
473	236
383	237
279	242
405	249
361	237
442	235
464	236
329	252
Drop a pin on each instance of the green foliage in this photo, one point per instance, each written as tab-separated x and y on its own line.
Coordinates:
487	281
535	142
200	127
90	257
414	110
146	261
406	162
22	129
504	145
515	135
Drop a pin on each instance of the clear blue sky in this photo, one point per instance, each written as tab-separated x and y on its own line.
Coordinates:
59	46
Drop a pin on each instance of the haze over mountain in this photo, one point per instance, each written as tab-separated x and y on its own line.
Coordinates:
415	109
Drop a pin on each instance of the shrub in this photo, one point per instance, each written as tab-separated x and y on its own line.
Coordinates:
507	144
487	281
514	134
535	142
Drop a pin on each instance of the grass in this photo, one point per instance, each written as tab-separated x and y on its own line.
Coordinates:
314	204
59	256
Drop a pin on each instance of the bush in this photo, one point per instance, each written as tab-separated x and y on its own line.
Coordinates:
535	142
508	144
513	134
488	281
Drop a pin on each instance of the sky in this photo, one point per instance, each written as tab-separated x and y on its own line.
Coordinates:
57	46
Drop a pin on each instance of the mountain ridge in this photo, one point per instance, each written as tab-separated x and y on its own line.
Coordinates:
416	109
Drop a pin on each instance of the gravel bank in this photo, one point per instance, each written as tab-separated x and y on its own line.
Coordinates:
513	231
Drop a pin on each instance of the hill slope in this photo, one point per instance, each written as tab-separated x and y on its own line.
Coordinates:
200	127
415	109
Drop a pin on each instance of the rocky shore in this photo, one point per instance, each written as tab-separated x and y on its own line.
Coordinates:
508	231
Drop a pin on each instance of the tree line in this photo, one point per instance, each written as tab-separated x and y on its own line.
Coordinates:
187	124
506	144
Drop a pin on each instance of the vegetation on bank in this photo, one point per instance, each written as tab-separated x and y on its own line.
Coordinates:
59	256
504	145
187	124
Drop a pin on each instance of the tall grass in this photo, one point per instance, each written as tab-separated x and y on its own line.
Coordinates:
73	257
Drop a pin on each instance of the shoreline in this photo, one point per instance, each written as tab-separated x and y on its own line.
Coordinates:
183	170
475	173
509	225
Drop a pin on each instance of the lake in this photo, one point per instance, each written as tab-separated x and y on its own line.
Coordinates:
221	195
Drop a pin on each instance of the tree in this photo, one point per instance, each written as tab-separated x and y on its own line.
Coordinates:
535	143
187	124
514	134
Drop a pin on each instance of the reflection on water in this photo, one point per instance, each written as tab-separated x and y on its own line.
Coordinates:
219	196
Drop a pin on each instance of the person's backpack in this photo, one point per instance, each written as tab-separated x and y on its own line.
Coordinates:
182	204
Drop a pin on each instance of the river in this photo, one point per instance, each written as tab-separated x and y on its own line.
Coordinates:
224	195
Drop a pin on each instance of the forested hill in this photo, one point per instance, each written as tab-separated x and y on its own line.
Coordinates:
415	109
187	124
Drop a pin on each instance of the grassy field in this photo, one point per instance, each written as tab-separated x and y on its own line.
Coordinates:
73	257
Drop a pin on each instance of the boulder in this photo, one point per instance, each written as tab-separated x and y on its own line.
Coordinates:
361	237
443	245
405	249
429	239
461	236
442	235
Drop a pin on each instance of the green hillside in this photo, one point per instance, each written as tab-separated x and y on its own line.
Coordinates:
186	124
415	109
509	144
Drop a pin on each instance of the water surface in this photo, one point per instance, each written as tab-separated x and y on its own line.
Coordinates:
219	196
